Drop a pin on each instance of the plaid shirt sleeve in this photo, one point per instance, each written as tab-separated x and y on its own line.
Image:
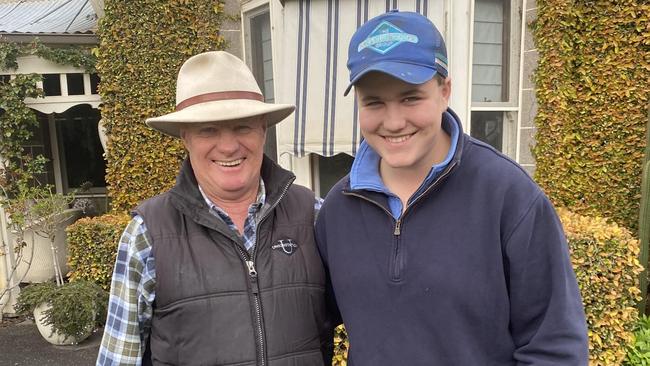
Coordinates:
131	298
317	204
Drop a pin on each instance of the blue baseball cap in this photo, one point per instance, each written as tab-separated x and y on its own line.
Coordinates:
405	45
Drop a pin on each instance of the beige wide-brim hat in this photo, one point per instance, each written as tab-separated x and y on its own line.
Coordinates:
215	87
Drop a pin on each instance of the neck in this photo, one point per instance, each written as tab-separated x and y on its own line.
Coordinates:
234	204
236	208
403	182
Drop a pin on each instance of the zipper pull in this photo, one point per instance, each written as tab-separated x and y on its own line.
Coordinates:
251	268
398	224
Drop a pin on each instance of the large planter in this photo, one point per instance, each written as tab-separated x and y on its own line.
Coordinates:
42	264
56	338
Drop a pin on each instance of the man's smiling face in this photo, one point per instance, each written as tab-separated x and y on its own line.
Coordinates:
226	156
401	121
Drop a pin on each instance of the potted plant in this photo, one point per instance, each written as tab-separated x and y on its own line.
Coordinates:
33	245
67	313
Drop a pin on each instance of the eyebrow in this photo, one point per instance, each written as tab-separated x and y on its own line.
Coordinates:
411	91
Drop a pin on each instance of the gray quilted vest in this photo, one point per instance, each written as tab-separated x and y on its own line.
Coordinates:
216	303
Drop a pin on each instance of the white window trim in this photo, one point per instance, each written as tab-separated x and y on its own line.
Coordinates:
511	126
250	10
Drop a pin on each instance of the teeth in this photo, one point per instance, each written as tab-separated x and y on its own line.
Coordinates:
397	139
230	163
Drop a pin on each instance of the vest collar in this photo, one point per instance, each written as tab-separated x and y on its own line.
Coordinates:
188	199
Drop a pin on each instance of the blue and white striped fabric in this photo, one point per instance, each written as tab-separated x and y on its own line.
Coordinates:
311	69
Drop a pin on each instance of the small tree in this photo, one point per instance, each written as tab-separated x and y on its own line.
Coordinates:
27	203
17	170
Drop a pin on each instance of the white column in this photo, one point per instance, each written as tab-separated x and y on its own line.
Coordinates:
7	262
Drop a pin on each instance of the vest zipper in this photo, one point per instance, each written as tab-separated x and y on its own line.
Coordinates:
249	260
252	276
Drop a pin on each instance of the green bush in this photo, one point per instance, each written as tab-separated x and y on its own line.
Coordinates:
592	92
75	307
605	259
92	247
341	346
142	45
638	354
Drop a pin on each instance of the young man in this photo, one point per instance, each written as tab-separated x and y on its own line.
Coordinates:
222	269
451	255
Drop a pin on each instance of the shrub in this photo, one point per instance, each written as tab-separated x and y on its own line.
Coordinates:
76	307
605	259
592	92
92	247
341	346
638	354
142	46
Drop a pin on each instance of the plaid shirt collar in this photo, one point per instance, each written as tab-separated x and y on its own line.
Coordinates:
250	225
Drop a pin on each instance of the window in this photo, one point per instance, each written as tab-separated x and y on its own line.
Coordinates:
70	142
260	61
39	145
329	171
494	74
75	84
51	85
488	127
94	84
489	61
79	150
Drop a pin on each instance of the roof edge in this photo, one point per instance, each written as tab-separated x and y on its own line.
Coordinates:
51	38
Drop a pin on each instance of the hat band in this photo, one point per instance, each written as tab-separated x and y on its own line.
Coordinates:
211	97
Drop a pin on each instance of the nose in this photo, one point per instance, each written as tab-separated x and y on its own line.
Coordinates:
227	142
394	119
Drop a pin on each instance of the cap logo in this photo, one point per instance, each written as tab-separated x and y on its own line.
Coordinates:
385	37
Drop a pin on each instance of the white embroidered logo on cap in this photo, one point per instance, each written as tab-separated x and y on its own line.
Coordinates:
386	37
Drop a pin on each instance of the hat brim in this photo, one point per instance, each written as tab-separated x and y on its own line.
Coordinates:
219	111
409	73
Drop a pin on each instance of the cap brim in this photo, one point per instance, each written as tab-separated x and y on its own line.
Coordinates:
218	111
409	73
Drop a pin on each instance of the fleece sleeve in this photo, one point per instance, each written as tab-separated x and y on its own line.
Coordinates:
333	314
547	319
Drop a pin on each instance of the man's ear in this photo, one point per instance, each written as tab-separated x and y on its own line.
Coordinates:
446	89
183	135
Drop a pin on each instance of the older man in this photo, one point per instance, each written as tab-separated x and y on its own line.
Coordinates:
237	278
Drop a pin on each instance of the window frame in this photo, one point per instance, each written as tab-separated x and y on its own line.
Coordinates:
251	10
512	63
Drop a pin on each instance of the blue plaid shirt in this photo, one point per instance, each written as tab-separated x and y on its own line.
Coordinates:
134	278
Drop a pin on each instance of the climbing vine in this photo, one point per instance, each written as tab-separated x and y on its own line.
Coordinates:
142	46
593	95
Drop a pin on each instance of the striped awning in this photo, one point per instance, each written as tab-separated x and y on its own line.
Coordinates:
310	46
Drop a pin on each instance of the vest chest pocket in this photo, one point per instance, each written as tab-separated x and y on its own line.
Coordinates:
291	256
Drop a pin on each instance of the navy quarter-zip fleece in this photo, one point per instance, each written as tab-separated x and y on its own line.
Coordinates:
474	272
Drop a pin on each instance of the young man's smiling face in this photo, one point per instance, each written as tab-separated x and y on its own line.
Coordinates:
226	156
402	122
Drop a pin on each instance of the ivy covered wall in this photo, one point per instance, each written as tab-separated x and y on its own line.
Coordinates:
592	87
142	45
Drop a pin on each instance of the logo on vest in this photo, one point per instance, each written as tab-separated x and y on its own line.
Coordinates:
287	246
